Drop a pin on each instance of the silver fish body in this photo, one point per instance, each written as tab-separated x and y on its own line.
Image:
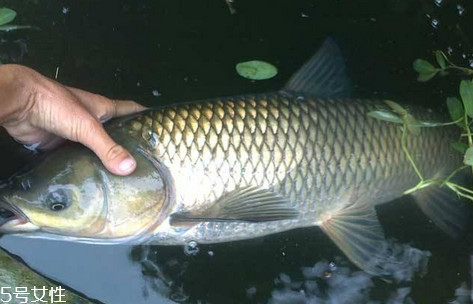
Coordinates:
321	154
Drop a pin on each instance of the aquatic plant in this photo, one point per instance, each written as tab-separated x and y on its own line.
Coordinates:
7	15
256	70
230	6
460	110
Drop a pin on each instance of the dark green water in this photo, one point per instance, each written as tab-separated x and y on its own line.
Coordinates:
187	50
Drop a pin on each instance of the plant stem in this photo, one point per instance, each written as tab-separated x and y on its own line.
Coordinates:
467	71
454	187
409	157
447	180
422	184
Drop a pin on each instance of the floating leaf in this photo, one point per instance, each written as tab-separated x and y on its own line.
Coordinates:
466	93
11	27
386	116
459	146
440	59
468	158
256	70
6	15
455	108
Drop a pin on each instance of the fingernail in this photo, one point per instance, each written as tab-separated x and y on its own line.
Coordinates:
126	165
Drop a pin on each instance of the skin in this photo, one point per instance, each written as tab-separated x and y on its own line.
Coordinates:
39	111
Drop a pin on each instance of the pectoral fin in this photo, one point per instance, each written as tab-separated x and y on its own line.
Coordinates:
358	233
247	204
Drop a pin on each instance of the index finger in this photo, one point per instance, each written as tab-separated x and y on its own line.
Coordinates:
104	108
126	107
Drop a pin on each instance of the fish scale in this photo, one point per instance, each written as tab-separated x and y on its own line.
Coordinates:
319	153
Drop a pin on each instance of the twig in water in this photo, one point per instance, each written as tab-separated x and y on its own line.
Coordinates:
230	6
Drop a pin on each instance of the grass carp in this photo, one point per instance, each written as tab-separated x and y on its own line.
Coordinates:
241	167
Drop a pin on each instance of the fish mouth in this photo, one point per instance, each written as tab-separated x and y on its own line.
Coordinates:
12	219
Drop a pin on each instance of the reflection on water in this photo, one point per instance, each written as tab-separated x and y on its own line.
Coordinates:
101	272
184	278
289	268
325	284
462	295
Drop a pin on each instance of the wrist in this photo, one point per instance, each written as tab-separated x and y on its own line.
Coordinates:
15	94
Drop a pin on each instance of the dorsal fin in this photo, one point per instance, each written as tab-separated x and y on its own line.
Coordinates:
324	75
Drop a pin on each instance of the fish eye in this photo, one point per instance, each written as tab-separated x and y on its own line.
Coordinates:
58	200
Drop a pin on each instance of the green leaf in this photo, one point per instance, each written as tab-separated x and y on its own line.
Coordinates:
466	93
426	76
455	108
459	146
6	15
256	70
425	69
396	107
431	124
468	158
423	66
413	126
440	59
443	73
11	27
386	116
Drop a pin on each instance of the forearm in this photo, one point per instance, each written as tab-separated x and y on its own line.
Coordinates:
14	94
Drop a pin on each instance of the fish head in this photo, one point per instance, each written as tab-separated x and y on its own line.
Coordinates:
70	193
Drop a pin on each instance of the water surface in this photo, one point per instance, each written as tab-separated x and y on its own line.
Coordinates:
159	52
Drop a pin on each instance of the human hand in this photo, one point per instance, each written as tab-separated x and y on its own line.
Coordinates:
38	111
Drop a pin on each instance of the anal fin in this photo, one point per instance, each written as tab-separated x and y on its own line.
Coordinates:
248	204
358	233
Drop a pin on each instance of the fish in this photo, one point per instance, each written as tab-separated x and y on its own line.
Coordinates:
246	166
15	277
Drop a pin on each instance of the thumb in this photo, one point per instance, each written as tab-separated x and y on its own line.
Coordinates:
113	156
